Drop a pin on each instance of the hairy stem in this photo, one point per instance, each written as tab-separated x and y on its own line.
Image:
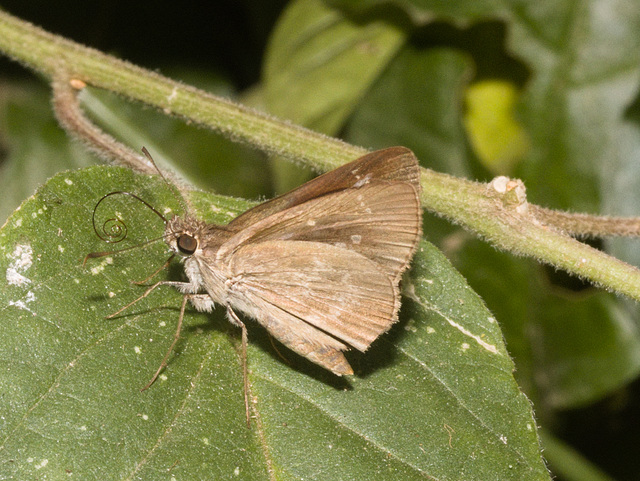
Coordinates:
73	119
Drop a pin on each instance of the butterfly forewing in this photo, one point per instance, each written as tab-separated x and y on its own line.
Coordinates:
379	220
395	164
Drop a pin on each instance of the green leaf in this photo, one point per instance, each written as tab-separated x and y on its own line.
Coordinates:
425	11
582	358
414	103
29	129
320	63
585	65
433	398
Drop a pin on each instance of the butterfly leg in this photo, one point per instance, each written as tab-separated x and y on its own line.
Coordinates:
194	298
182	286
235	320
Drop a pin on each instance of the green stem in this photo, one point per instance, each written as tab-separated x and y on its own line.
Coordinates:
462	201
510	227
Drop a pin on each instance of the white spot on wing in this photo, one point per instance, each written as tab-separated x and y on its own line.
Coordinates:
356	239
363	181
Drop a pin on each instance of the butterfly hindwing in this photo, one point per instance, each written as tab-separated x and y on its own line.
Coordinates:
337	291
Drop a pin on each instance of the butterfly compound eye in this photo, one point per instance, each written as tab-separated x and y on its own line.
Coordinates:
187	244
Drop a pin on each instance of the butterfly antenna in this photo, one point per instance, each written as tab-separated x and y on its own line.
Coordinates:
95	255
114	230
176	192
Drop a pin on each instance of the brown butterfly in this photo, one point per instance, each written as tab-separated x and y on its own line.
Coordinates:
318	267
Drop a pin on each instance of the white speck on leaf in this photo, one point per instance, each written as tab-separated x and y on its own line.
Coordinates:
100	267
489	347
22	257
22	304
